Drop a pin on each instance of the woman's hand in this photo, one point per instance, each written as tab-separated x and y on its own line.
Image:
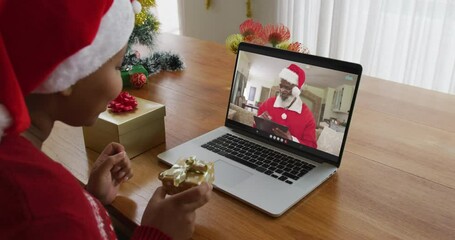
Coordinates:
175	215
110	169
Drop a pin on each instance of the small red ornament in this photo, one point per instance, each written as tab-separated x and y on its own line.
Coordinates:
138	80
123	103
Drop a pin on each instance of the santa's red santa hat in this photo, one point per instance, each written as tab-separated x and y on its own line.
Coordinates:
47	47
294	75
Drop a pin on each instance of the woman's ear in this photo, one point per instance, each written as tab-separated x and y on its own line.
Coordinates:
67	92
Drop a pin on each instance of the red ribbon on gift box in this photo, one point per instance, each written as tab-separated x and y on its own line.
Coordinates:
123	103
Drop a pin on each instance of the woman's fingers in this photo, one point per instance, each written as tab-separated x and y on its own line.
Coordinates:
193	198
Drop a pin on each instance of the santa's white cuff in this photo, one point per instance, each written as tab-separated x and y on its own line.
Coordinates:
295	139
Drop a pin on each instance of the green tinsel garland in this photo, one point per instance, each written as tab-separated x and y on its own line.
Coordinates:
145	34
157	62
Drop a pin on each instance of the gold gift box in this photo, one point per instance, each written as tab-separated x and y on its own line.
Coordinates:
137	131
185	174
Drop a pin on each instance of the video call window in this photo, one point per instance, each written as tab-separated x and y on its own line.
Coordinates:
263	99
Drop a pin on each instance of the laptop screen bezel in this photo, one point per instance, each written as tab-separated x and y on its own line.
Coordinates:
306	152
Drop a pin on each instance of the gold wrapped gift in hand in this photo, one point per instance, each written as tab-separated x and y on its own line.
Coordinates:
185	174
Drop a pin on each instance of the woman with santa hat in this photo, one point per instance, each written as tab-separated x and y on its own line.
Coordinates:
60	62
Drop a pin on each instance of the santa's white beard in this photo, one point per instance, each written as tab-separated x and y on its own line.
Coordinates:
286	102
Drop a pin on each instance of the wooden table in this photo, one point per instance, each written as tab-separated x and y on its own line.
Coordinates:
396	181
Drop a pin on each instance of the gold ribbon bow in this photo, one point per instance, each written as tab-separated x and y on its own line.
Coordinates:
196	170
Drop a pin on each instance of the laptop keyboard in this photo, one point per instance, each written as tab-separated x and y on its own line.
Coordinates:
262	159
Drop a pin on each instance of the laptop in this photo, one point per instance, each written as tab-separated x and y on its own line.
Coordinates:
267	171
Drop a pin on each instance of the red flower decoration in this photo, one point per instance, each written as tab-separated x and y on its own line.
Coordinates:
138	80
252	32
296	47
123	103
276	34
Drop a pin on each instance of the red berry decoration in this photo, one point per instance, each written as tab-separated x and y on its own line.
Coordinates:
138	80
123	103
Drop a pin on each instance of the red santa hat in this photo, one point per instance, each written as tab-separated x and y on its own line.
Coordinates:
46	48
294	75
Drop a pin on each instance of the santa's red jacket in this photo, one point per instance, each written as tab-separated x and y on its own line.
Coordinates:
301	125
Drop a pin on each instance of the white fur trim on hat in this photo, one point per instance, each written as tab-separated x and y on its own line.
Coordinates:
289	76
5	120
113	33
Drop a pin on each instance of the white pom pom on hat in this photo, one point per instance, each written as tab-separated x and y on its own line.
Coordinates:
294	75
137	7
296	91
73	40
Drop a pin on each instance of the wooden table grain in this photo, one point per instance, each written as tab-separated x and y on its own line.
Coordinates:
396	181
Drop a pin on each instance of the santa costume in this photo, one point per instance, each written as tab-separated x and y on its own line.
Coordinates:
45	47
292	113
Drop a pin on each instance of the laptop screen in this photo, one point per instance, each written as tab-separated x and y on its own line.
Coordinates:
297	101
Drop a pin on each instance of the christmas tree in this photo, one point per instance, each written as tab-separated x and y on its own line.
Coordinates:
144	33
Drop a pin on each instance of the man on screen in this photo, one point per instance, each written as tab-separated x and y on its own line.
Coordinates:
289	110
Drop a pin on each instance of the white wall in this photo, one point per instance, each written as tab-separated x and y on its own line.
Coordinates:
243	65
258	83
223	18
316	91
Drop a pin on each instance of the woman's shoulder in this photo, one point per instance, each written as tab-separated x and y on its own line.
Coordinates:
36	186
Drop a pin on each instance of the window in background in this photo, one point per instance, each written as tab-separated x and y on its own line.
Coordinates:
252	94
167	14
406	41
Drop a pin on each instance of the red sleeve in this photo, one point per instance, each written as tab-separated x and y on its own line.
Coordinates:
309	132
42	200
309	135
149	233
53	228
20	220
264	105
263	108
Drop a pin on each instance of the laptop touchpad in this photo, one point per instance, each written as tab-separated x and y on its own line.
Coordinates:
229	175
